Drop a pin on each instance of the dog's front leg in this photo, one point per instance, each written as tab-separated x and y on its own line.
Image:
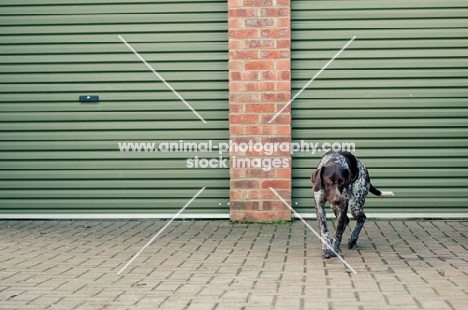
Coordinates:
360	217
320	200
342	220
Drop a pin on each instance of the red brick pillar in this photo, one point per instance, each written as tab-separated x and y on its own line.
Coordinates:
259	86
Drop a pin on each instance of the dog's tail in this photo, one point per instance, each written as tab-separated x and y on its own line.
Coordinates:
376	192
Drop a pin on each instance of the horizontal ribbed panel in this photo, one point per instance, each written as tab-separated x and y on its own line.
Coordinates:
398	92
60	156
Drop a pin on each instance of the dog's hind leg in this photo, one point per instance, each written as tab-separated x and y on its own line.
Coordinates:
356	203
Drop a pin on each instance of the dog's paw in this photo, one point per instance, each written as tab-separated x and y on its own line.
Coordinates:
351	243
329	253
335	249
326	254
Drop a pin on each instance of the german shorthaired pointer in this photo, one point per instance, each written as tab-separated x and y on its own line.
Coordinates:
343	181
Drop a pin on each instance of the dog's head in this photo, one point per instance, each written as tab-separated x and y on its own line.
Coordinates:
333	178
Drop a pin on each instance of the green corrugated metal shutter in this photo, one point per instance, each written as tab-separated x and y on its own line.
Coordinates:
59	156
399	92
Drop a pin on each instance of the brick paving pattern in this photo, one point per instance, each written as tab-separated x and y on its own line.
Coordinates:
219	265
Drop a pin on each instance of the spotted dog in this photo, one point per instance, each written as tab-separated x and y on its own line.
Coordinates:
343	181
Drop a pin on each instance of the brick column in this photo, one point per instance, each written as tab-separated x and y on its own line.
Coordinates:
259	86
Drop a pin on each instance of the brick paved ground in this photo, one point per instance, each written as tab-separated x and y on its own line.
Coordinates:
218	265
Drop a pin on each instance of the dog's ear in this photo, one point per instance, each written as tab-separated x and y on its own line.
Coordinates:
316	179
349	178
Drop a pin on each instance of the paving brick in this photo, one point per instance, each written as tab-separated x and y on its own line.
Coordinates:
399	263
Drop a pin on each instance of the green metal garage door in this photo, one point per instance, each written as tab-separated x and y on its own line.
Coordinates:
399	92
60	157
